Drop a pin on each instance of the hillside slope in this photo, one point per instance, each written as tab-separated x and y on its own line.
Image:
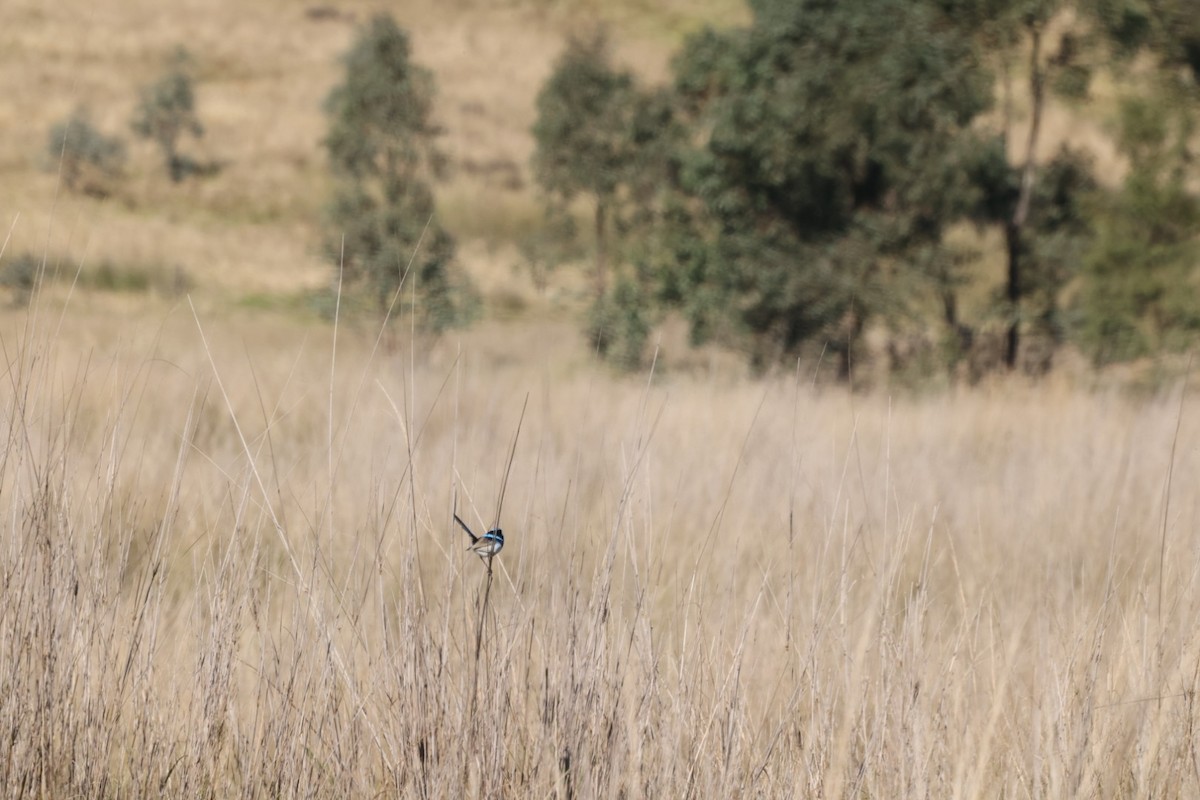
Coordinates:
263	71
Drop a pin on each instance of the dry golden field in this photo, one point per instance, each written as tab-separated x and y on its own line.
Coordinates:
229	564
230	568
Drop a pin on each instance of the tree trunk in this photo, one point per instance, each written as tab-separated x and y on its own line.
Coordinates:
1012	236
950	309
963	335
852	327
1016	225
601	247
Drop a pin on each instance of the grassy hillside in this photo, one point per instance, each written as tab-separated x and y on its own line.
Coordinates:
262	73
251	231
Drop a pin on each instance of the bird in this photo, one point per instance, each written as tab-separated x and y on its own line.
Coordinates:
484	546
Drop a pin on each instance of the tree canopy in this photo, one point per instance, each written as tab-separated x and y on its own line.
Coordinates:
830	142
166	112
795	184
581	134
382	154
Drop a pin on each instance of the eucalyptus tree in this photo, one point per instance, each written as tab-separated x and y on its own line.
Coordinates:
830	147
382	153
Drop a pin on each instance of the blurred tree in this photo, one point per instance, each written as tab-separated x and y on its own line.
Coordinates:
21	274
382	154
583	147
1167	29
599	134
167	111
830	145
620	322
88	160
1140	293
1039	206
1017	31
553	242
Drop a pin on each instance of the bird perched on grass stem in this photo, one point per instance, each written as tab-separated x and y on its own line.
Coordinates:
484	546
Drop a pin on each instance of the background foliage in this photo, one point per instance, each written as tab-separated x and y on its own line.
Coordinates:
382	228
166	112
814	164
813	180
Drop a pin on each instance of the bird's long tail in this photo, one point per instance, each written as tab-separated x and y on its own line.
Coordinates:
463	525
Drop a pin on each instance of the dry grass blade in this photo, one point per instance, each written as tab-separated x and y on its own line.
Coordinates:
1162	548
512	453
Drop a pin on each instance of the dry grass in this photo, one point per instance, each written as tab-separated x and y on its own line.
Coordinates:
230	568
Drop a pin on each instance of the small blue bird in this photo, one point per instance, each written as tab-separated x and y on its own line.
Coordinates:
484	546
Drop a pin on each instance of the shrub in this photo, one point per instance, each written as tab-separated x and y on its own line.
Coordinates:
20	275
88	160
382	154
167	111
